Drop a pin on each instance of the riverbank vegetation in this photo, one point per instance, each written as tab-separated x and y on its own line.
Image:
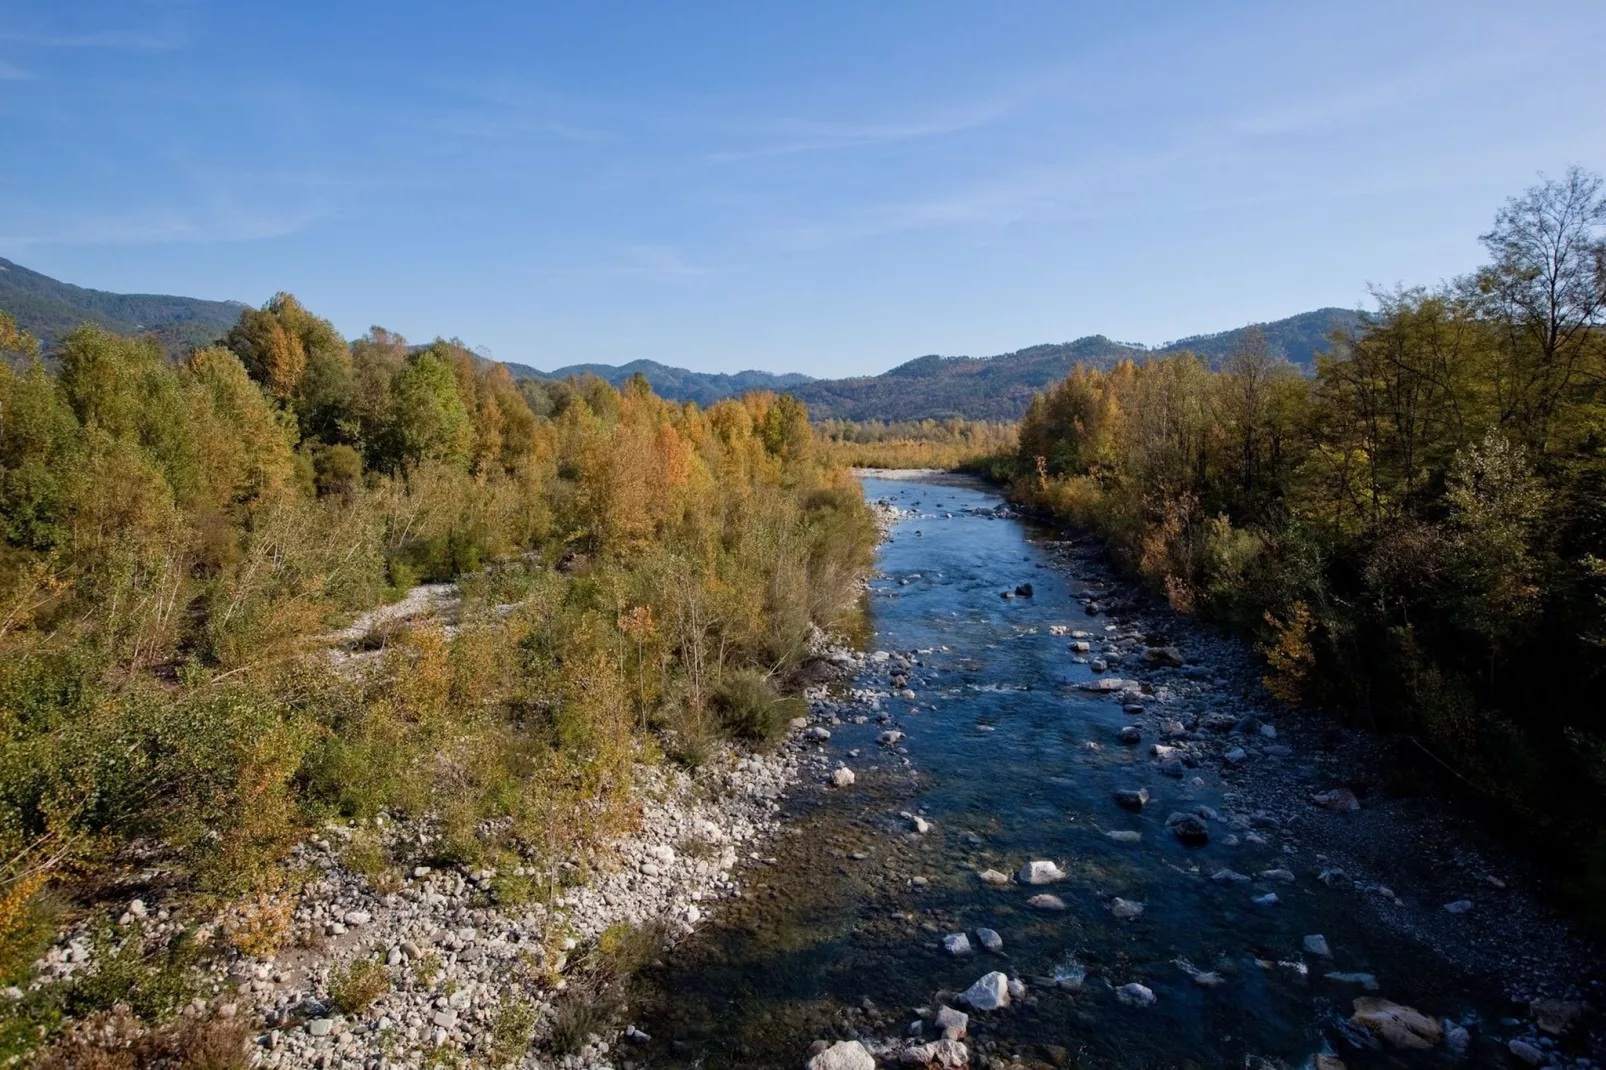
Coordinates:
177	541
951	443
1416	535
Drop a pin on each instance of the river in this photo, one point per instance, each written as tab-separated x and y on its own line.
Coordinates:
1008	759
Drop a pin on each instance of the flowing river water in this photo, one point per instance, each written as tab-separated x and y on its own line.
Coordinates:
1008	759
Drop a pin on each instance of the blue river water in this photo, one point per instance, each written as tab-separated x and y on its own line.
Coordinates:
1009	760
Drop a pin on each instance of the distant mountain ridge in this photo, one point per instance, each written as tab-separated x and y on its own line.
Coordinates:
681	384
1000	388
48	309
928	387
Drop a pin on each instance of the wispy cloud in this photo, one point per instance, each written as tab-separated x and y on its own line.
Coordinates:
131	40
10	72
156	226
788	137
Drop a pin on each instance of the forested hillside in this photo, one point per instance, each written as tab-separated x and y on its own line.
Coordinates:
1417	534
178	539
705	388
48	310
1001	387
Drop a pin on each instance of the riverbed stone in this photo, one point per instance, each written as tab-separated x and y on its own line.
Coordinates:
1396	1024
945	1053
1124	836
1040	871
1558	1017
1189	828
1126	909
957	944
1528	1053
990	939
1130	734
1316	944
952	1023
992	876
1046	902
843	1055
842	777
989	993
1135	995
1132	798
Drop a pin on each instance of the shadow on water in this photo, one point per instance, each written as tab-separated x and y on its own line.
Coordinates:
1009	761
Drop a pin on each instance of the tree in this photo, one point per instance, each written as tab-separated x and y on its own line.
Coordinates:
428	418
1546	289
301	360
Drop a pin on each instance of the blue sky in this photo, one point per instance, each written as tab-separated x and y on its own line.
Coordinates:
818	187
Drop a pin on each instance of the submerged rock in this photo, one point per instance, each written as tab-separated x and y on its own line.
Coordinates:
1316	944
843	1055
992	876
956	944
1396	1024
990	939
1132	798
989	993
1124	836
1039	871
1046	902
1126	909
1189	828
1135	995
1130	734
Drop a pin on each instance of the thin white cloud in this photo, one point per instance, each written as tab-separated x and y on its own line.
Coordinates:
10	72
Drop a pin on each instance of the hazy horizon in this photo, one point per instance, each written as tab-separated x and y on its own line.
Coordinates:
832	191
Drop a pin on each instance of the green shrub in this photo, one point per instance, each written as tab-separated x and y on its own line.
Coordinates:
354	986
751	710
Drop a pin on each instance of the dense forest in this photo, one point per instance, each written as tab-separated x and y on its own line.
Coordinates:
913	443
179	538
1417	534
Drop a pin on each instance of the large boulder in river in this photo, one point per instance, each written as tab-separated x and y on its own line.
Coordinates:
989	993
844	1055
1040	872
1396	1024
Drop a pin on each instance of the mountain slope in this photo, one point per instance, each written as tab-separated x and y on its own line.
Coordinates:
1000	388
680	384
49	309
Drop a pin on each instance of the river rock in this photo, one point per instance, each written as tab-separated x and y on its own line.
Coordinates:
1526	1052
1225	875
956	944
842	777
992	876
1135	995
943	1053
890	738
1316	944
1046	902
990	939
818	734
1130	734
1024	590
1365	980
1125	909
1039	871
1267	900
1558	1017
1236	755
843	1055
1338	800
1460	906
320	1027
919	824
989	993
1124	836
1284	875
1396	1024
1164	655
1132	798
952	1023
1189	828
